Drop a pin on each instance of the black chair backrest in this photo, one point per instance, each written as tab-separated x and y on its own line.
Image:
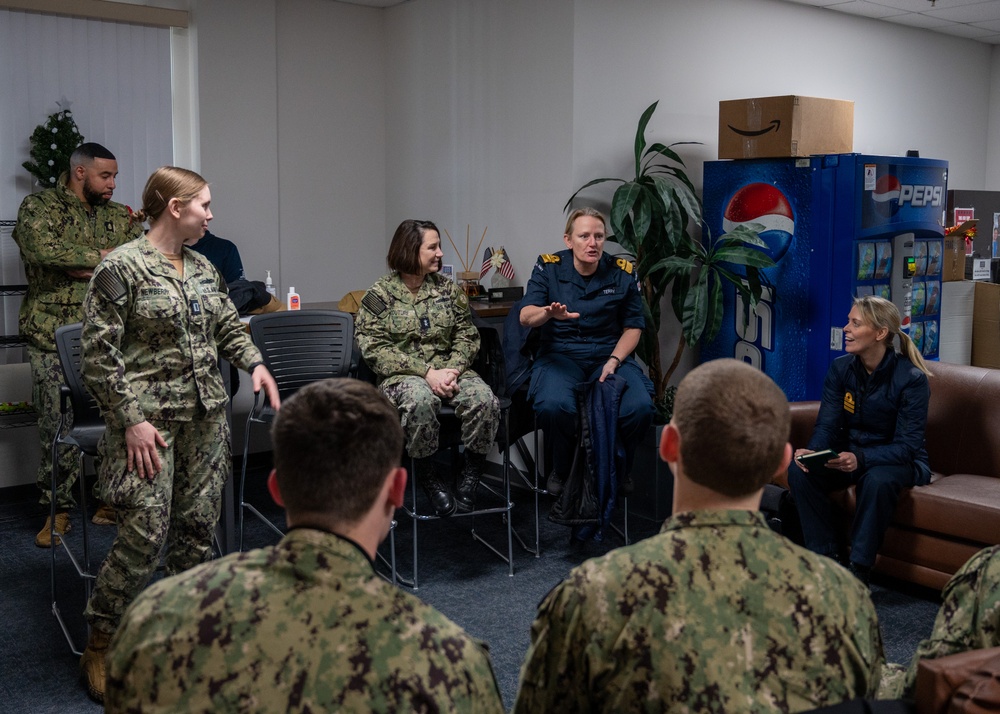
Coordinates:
519	346
489	361
304	346
70	350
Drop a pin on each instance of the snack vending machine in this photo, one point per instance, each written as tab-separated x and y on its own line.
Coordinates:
837	226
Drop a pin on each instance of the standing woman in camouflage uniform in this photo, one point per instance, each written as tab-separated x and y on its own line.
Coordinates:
156	320
416	333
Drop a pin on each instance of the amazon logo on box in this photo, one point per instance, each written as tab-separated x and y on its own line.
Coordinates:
790	125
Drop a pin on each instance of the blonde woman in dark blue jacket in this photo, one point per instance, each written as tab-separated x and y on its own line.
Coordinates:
873	414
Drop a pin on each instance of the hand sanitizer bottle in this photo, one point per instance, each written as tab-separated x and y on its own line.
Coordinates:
293	299
269	286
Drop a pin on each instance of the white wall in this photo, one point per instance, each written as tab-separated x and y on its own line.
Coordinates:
461	72
993	142
479	127
331	147
292	113
325	124
906	83
238	119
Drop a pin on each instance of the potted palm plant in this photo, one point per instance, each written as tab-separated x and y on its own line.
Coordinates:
653	216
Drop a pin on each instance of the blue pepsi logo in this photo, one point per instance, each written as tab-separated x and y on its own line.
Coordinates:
766	205
889	195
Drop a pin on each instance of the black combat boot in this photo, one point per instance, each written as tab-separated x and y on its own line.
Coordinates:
472	472
438	494
861	572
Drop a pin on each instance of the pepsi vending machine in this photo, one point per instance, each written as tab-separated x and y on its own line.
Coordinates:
838	226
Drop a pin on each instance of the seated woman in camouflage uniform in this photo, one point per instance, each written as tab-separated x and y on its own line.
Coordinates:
416	333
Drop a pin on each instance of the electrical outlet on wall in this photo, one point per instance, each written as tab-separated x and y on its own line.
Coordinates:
837	338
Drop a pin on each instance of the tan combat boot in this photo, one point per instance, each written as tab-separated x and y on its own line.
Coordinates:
44	537
104	516
92	664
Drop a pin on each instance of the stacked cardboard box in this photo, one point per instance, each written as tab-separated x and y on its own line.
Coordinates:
953	262
986	326
957	309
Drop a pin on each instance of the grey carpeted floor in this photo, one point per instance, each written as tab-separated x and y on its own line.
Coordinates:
457	575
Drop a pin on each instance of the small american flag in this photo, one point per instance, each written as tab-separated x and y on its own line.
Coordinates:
487	263
506	267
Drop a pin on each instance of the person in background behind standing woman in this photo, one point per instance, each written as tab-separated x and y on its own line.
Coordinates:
223	254
416	333
63	233
156	320
873	414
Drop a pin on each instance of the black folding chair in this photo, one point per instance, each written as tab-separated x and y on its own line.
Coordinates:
490	366
299	347
81	427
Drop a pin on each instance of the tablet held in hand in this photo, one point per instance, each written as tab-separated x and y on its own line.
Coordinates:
817	459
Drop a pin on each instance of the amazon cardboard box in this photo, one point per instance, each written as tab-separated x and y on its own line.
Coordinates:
768	127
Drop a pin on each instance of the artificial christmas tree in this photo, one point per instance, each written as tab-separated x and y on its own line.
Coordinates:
52	143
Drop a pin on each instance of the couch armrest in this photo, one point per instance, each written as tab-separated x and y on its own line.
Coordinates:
803	420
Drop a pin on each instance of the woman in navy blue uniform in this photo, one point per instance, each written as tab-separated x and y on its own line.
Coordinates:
873	414
589	311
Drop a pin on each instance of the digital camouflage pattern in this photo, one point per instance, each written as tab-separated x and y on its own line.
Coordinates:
152	340
55	233
402	336
475	406
716	613
179	506
46	381
151	344
969	619
305	625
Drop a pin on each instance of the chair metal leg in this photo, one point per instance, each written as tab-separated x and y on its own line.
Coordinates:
415	516
393	576
537	490
82	569
623	532
509	516
243	479
52	546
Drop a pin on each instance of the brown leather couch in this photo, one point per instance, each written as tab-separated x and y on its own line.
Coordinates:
936	528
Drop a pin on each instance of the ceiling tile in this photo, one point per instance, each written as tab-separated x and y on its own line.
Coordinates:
979	12
959	30
974	19
866	9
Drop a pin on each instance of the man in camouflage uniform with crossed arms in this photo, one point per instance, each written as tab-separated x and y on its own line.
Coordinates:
717	613
63	233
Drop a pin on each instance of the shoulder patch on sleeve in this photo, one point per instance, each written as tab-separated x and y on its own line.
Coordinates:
624	265
110	285
462	300
549	258
373	303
